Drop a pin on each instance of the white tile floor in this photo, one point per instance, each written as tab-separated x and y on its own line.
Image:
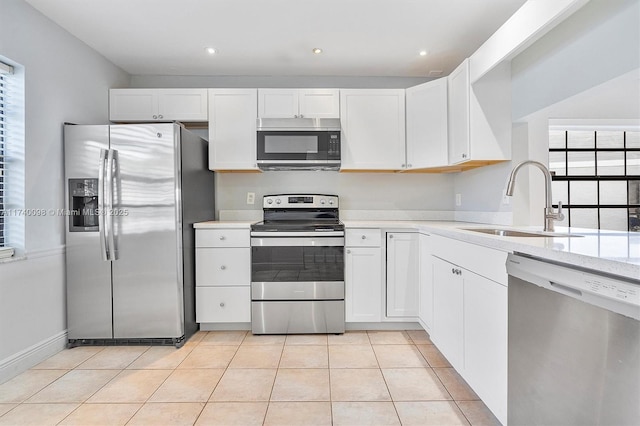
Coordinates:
235	378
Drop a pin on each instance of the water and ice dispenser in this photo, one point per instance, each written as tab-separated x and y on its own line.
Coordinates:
83	205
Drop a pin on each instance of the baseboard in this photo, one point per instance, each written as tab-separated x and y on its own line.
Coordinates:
382	326
224	326
34	355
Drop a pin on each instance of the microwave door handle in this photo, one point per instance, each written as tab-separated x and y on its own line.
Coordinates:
104	248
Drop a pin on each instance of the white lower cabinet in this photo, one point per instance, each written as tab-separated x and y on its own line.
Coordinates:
485	341
448	316
402	275
363	275
470	316
223	304
223	275
363	284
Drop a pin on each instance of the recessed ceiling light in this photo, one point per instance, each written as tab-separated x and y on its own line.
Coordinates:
423	53
317	50
211	50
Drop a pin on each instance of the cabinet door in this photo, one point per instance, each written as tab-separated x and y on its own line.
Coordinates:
232	129
182	104
373	129
447	331
402	274
425	309
223	304
319	103
363	284
485	341
459	138
427	143
277	103
133	105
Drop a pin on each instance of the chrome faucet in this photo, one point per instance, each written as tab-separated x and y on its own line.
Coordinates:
550	215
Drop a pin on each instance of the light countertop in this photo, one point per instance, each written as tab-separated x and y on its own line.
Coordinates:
223	224
612	252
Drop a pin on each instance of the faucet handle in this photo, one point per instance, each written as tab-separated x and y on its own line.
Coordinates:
559	214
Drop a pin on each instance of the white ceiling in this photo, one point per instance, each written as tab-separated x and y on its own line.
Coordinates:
275	37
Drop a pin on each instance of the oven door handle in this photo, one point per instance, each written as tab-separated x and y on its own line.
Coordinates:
278	241
280	234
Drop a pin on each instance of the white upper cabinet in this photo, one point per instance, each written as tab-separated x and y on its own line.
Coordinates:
459	148
373	129
480	116
232	129
158	105
426	120
299	103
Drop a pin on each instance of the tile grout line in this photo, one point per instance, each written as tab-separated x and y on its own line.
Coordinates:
142	405
264	419
223	373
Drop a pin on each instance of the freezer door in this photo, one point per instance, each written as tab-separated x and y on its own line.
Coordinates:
88	275
147	272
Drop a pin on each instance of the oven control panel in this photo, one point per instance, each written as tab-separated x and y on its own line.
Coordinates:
302	201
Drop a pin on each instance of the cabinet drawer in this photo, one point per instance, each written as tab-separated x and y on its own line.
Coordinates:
363	237
222	238
223	304
223	266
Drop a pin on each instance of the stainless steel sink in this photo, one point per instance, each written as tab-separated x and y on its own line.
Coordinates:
515	233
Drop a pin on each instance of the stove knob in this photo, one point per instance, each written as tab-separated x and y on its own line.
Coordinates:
278	201
269	201
330	202
322	202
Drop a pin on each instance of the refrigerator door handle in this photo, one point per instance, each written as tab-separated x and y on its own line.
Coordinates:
112	159
104	249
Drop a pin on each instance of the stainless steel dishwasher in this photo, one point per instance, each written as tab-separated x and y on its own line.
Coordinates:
574	346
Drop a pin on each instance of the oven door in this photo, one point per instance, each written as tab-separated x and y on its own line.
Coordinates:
318	262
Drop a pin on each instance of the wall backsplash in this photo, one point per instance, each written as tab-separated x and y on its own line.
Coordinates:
357	191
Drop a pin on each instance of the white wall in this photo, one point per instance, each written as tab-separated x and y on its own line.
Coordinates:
357	191
587	67
65	81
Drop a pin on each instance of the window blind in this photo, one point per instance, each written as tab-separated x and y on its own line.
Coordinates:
5	71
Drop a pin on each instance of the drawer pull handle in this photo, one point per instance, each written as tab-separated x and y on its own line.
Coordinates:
348	251
222	304
364	237
221	237
223	267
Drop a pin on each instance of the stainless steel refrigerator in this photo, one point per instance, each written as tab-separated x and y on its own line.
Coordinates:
133	192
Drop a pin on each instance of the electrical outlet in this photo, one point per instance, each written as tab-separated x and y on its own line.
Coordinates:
458	200
251	197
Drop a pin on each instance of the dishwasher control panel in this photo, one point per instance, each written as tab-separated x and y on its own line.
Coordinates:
613	289
618	295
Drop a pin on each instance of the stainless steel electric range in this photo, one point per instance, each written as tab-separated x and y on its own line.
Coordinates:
297	266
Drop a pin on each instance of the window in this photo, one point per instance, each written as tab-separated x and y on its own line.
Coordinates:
596	175
4	70
11	158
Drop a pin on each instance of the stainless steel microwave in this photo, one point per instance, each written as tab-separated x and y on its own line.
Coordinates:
298	143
